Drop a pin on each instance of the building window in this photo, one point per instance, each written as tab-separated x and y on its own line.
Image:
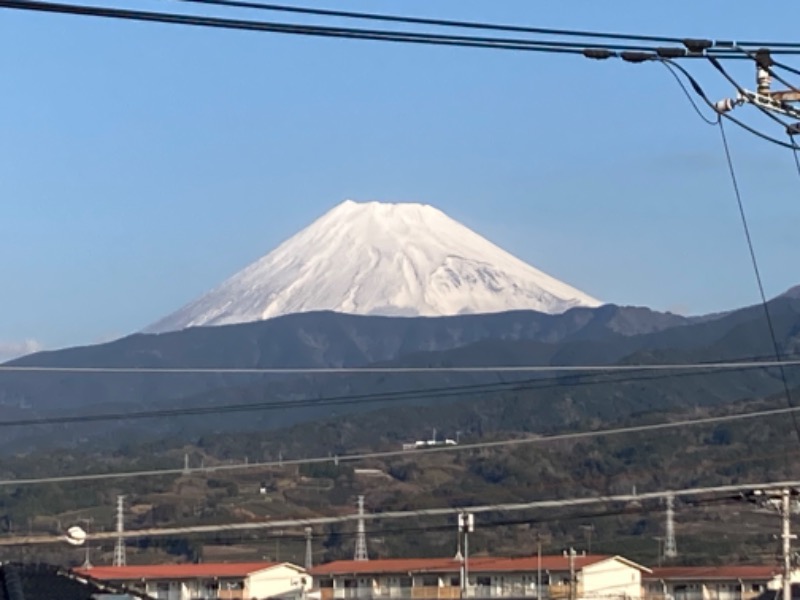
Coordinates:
405	582
430	581
756	587
483	581
455	581
326	583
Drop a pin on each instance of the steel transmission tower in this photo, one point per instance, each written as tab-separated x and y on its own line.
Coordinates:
119	548
361	535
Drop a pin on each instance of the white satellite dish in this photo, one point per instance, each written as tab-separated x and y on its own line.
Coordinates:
75	536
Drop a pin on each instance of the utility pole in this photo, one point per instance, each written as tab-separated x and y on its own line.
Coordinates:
782	501
361	534
659	539
466	525
573	592
786	538
588	530
87	562
538	566
309	549
670	547
119	548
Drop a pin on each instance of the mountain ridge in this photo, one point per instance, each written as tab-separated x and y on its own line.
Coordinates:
580	336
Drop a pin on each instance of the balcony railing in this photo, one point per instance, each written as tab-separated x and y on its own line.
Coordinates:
429	593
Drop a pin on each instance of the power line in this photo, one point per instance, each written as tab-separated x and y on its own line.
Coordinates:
420	513
786	67
627	510
757	273
721	366
696	108
436	22
755	58
273	27
723	114
712	44
561	437
796	159
499	43
740	204
742	92
666	57
570	381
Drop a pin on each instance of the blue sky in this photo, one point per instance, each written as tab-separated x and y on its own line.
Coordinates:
141	164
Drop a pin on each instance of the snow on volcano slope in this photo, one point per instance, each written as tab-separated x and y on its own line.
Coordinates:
379	259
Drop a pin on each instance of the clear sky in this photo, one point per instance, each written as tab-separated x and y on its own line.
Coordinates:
142	164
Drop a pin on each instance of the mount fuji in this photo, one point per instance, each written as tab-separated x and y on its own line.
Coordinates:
378	258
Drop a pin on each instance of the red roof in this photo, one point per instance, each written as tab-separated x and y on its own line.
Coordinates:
759	572
178	571
450	565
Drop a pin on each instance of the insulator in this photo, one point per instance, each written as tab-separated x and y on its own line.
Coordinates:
763	80
723	106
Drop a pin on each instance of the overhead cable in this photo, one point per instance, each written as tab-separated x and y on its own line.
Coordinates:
713	366
696	44
699	91
295	29
532	440
501	43
757	273
570	381
435	22
400	514
696	108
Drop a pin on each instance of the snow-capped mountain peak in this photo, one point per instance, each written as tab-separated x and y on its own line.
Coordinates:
382	259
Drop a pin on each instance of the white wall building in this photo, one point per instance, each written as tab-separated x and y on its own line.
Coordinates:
596	577
226	581
727	582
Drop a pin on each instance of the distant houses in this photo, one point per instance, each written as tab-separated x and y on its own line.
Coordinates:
226	581
727	582
585	577
488	577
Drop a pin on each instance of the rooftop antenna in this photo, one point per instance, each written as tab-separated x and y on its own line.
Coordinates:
361	535
119	548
